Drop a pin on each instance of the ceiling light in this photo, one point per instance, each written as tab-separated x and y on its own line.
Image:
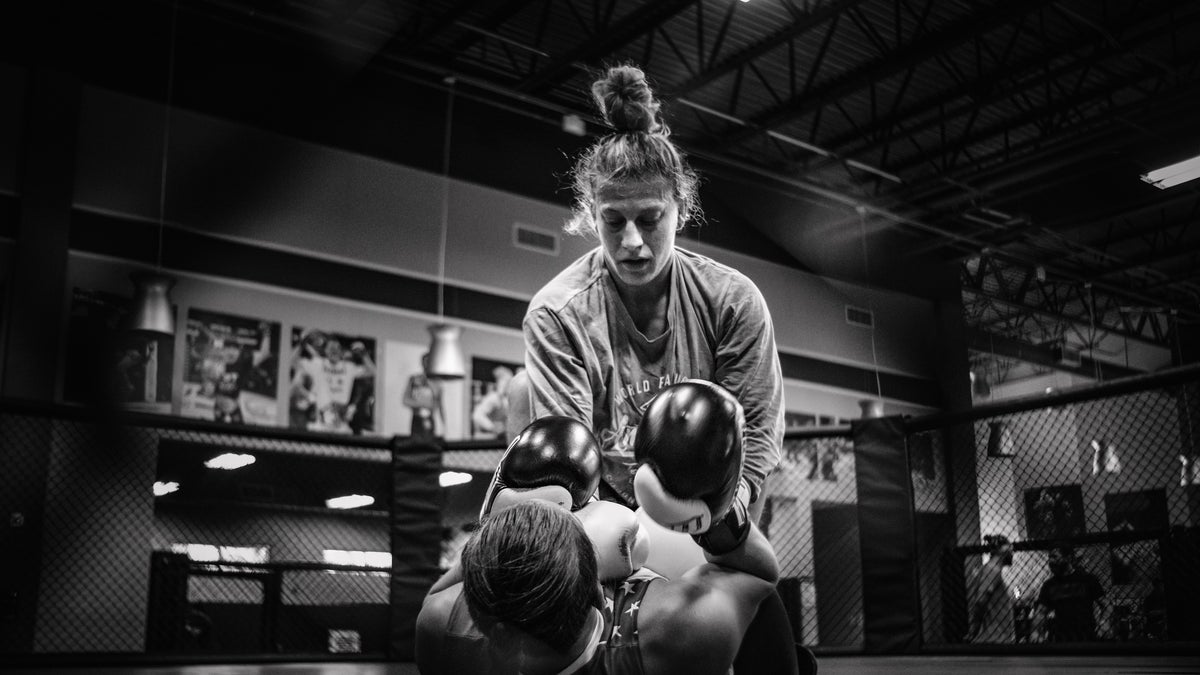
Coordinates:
1170	176
230	461
449	478
161	488
350	501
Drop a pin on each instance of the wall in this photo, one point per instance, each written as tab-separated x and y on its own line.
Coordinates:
251	185
307	310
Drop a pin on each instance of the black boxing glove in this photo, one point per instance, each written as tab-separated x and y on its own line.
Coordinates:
689	450
555	459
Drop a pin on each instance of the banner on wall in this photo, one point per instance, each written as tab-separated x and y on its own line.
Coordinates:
1139	511
229	373
489	396
107	364
332	385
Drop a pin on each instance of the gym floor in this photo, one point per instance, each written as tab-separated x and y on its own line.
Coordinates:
831	665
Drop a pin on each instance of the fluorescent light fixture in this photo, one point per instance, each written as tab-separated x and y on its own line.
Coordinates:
1170	176
165	488
449	478
230	461
349	501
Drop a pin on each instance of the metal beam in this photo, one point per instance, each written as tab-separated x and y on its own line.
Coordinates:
973	287
984	90
732	63
991	343
917	51
640	21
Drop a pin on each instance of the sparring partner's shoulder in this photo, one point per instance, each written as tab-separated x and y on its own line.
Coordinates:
695	623
447	640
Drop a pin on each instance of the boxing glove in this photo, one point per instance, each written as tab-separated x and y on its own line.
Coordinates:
689	453
622	546
554	458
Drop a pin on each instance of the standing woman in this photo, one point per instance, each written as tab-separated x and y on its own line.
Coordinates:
637	313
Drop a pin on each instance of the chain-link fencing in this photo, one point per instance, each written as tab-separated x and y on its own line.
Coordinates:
178	538
811	519
162	538
1067	521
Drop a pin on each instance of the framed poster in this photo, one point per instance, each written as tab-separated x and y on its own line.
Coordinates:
489	396
1054	512
331	384
229	372
106	364
1140	511
798	420
410	397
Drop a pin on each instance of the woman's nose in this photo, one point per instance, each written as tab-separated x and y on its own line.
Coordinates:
630	236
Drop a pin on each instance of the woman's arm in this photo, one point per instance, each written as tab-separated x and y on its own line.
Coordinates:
558	378
747	364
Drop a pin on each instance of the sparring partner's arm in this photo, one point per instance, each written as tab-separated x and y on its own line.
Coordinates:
747	365
558	377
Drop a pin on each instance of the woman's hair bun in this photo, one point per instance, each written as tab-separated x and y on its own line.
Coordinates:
626	101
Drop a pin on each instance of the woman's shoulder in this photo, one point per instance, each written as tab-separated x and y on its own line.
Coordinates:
579	278
716	278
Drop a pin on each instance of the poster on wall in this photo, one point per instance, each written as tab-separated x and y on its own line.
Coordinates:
105	364
229	373
331	385
412	401
489	396
816	459
927	472
1054	512
1140	511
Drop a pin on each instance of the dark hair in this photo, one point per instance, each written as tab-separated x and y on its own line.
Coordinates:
639	149
532	566
994	542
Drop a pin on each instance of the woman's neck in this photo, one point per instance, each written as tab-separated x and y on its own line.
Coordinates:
647	304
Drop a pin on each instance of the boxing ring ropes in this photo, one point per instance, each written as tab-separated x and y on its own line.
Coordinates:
877	525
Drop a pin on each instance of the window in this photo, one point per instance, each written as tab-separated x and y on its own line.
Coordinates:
217	553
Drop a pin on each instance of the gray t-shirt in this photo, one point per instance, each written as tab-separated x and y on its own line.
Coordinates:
587	360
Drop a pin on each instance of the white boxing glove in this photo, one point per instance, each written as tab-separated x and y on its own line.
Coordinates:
622	546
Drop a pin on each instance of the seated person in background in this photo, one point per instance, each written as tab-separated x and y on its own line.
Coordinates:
540	589
490	413
1070	599
991	598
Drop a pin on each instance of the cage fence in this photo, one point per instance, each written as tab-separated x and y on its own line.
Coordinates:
811	520
163	540
1072	523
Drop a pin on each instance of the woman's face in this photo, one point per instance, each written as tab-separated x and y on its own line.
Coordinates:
636	222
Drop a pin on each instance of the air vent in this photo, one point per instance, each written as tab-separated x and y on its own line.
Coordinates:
857	316
256	492
534	239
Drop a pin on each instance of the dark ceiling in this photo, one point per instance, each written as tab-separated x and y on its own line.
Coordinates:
1003	139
